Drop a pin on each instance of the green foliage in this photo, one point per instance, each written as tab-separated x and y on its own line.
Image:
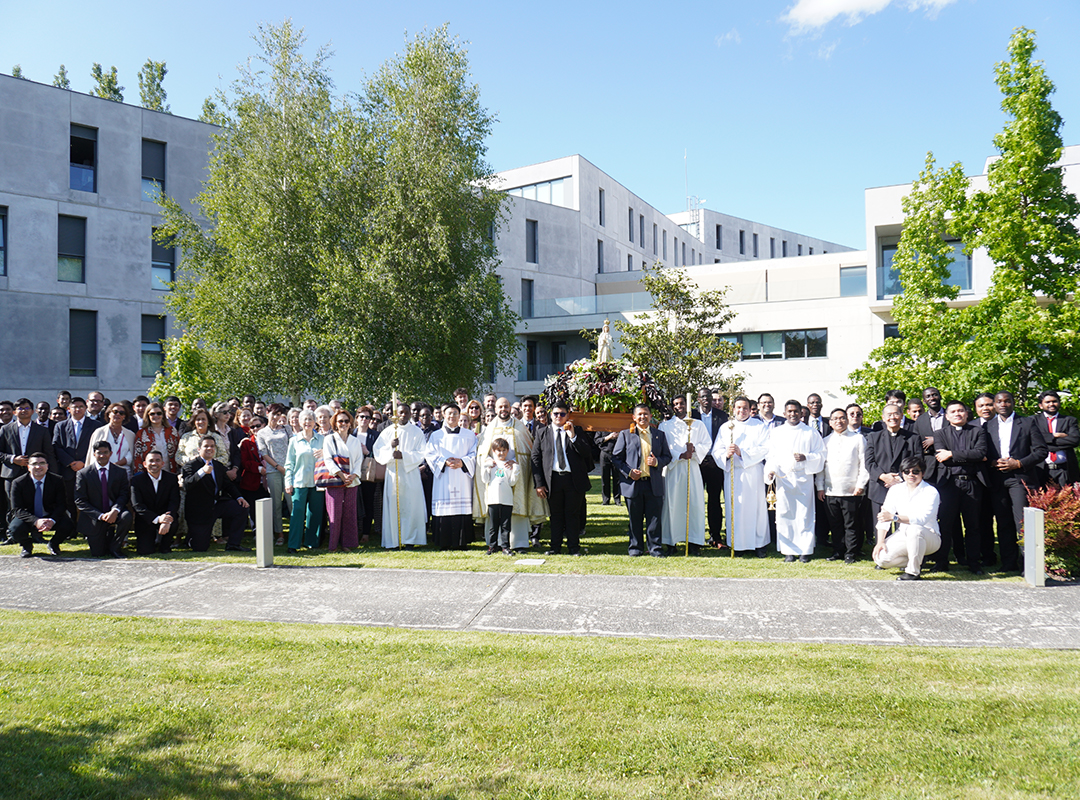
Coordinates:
1061	526
60	79
348	253
184	373
210	113
1022	335
678	342
16	72
106	84
151	93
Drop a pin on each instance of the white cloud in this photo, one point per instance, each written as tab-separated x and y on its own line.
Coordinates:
730	36
808	15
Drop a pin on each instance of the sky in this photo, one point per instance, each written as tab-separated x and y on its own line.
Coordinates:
780	112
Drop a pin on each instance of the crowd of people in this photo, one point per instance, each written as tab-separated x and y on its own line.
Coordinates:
927	481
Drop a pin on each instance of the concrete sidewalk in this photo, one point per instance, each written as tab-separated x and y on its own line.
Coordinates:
767	610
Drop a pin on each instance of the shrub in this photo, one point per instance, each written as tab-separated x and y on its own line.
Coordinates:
1061	506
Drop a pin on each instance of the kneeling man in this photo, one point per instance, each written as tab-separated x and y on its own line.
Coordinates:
155	496
212	496
913	506
39	504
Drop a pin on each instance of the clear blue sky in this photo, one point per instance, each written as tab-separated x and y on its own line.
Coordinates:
787	110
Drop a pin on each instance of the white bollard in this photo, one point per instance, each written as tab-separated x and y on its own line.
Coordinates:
1035	546
264	533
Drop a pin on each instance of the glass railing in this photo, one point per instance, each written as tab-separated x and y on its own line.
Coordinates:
589	304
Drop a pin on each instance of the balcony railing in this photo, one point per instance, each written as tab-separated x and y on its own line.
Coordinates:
589	304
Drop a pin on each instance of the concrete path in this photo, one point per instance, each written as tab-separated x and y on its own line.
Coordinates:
768	610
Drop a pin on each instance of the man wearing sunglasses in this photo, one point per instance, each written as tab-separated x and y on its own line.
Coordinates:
911	506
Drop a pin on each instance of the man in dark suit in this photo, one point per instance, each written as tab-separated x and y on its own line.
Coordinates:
561	463
712	474
38	506
155	498
640	456
101	495
18	439
71	441
886	449
959	450
1061	435
212	496
1016	452
896	397
926	426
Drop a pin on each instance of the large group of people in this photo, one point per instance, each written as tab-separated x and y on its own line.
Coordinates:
926	483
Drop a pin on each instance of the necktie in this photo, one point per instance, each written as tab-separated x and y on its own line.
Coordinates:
1050	424
213	477
559	451
39	506
646	450
78	432
104	475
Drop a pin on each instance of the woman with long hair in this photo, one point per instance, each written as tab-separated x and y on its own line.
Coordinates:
156	434
117	435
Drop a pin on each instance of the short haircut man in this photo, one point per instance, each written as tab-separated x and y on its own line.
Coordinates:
102	493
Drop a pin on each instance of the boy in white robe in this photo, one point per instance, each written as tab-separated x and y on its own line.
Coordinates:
401	448
683	517
451	455
740	448
796	455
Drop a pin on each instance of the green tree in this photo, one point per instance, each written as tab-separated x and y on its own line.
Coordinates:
16	72
106	84
678	342
60	79
1022	335
346	252
185	372
210	114
151	92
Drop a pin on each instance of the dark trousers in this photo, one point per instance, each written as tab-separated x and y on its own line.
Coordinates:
427	481
845	519
23	532
608	476
365	510
961	502
1008	498
1057	475
147	541
233	523
105	539
713	478
499	536
564	505
644	509
453	531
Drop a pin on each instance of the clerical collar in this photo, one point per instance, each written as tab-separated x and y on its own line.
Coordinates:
452	430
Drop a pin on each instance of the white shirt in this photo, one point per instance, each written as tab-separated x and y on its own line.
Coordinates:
845	465
24	434
1005	434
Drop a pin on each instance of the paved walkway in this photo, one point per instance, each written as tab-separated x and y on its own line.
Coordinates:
766	610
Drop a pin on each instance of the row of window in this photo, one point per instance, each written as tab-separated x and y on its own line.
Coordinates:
82	343
888	277
84	162
812	343
556	192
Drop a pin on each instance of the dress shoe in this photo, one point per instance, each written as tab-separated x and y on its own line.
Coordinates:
53	548
291	551
119	554
762	552
8	541
658	555
834	557
789	559
850	559
490	551
907	576
804	559
618	501
551	552
237	548
975	569
580	552
27	552
607	501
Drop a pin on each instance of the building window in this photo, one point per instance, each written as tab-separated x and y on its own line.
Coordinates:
772	247
630	213
742	243
532	241
641	231
551	192
82	343
3	240
798	250
71	249
755	245
693	256
153	331
684	254
601	208
630	263
162	266
892	331
782	344
83	158
853	281
153	169
654	237
599	255
665	245
783	249
719	237
889	276
532	361
526	298
811	251
675	251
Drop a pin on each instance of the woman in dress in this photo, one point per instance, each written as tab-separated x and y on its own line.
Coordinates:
305	523
156	434
119	438
342	456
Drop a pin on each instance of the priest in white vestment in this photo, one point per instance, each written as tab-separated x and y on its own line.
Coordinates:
683	517
528	509
796	455
741	446
401	448
451	455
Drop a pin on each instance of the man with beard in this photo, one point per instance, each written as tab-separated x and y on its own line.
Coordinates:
684	500
528	509
741	447
796	455
400	448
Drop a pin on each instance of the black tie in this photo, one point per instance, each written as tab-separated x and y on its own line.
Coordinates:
559	449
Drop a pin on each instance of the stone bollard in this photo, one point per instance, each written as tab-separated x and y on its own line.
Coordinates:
264	533
1034	546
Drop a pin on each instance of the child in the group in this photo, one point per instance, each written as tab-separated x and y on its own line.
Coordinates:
500	476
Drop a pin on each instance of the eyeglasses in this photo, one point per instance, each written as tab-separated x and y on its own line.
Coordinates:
913	472
558	413
156	414
364	416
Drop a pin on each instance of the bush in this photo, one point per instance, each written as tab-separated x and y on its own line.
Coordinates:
1061	506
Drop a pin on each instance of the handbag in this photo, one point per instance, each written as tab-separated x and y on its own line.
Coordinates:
371	471
323	477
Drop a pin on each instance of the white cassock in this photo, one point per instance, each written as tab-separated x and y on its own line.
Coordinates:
684	493
745	484
795	485
451	489
528	508
403	487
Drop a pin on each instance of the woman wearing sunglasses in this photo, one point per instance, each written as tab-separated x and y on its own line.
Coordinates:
911	506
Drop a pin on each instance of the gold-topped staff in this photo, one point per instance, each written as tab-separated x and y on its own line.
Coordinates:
689	427
731	483
396	417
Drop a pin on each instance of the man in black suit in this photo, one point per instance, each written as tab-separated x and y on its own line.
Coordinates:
712	474
886	449
927	425
561	463
71	441
95	406
1014	460
959	450
18	439
1061	435
895	397
37	500
212	496
155	498
101	495
640	457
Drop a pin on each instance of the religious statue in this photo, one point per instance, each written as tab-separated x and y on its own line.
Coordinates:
604	343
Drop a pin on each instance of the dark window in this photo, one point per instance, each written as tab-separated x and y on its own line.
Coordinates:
599	255
601	209
811	251
526	298
888	276
853	281
742	243
162	266
82	343
531	241
83	158
153	331
892	331
719	237
631	224
755	245
684	254
629	263
783	249
817	343
558	355
799	250
665	245
654	238
71	249
772	247
532	360
641	231
782	344
3	240
153	169
794	344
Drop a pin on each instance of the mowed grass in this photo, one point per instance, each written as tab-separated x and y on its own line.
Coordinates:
101	707
606	539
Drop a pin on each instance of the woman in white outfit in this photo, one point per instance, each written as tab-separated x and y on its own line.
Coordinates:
913	507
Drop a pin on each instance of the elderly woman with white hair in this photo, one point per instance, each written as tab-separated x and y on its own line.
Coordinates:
308	503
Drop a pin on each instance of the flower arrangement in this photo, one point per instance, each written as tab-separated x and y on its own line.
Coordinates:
1061	527
608	387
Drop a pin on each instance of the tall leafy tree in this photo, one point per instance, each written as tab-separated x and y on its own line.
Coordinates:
151	92
106	84
60	79
1022	335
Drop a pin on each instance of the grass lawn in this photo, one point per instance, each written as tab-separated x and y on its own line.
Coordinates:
101	707
606	539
